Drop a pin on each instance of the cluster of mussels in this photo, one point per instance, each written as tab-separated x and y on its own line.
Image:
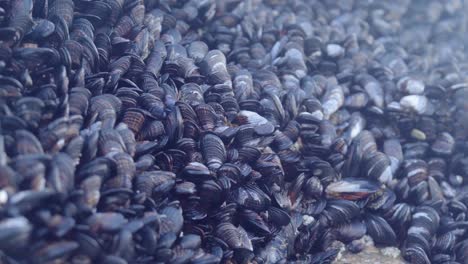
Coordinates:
229	131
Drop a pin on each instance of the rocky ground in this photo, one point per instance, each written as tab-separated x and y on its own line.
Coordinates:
370	255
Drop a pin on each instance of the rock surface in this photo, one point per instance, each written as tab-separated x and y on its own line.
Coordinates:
370	255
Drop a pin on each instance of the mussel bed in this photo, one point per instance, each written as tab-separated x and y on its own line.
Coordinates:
232	131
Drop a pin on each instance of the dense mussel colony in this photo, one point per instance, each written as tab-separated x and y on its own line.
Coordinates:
146	131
